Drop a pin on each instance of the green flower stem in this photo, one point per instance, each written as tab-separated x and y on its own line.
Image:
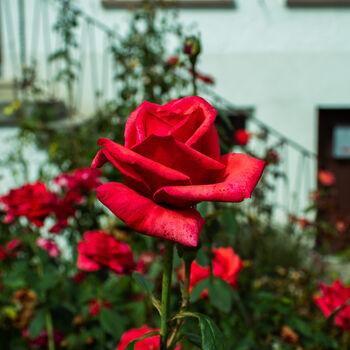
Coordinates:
188	258
49	330
166	285
194	78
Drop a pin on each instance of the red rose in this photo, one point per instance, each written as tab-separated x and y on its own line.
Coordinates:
32	201
172	61
42	340
334	297
79	277
171	161
11	249
242	137
100	249
226	265
326	178
84	179
151	343
50	246
95	306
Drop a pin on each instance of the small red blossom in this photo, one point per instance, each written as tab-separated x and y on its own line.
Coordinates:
341	226
101	249
84	179
144	261
303	222
150	343
79	277
95	305
202	77
326	178
333	298
242	137
226	265
41	341
48	245
172	61
11	249
32	201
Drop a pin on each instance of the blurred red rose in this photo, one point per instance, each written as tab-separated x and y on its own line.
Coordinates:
41	341
242	137
171	161
95	306
11	249
85	179
151	343
335	297
32	201
326	178
65	208
48	245
79	277
172	61
226	265
100	249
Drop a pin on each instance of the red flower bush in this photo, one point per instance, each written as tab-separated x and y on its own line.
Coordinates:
11	249
32	201
42	340
100	249
95	306
48	245
242	137
171	161
151	343
226	265
84	179
335	297
326	178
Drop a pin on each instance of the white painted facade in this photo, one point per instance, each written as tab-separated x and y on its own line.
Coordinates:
284	62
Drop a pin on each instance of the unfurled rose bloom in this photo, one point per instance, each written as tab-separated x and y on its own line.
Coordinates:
335	297
171	161
326	178
100	249
95	305
32	201
48	245
84	179
226	265
242	137
41	341
151	343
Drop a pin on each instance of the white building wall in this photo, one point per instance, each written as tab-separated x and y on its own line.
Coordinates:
283	62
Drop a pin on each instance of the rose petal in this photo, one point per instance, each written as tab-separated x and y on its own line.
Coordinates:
187	119
241	176
141	169
176	155
145	216
84	262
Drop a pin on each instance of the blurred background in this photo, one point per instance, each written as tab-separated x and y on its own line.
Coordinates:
277	72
